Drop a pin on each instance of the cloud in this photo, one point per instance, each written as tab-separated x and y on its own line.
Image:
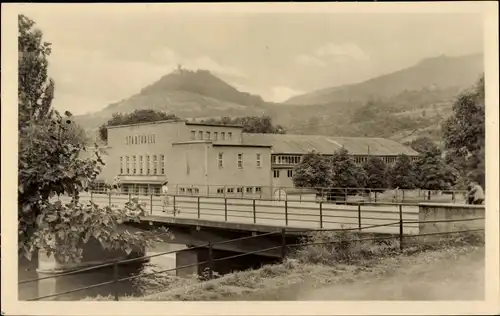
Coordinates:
309	60
282	93
348	50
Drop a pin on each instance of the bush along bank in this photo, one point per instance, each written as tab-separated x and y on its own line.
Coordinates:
319	259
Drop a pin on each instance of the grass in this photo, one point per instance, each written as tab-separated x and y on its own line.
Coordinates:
329	258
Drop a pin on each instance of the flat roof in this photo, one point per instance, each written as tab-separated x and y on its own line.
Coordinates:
214	124
147	123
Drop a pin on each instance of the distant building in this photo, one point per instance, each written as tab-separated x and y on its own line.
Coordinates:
201	158
191	156
287	150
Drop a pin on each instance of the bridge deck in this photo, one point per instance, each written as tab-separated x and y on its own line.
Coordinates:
296	215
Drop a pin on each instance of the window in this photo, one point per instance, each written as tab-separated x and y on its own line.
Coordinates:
182	190
273	159
258	189
196	190
162	161
126	140
200	135
259	162
289	173
154	164
189	190
154	138
140	165
193	135
135	164
276	173
220	190
136	140
121	165
223	135
127	164
221	160
249	190
216	135
147	164
230	190
239	189
207	135
229	135
240	161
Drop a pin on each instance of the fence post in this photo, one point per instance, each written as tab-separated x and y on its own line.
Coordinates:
453	196
173	204
345	197
401	227
151	203
403	195
254	215
359	216
225	209
321	214
286	213
115	279
283	244
109	197
210	261
375	196
198	207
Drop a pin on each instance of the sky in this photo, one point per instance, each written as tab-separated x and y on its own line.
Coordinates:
103	56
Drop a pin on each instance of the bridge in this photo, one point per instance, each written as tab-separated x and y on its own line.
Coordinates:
198	220
259	215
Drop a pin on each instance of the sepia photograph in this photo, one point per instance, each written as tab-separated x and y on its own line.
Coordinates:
175	153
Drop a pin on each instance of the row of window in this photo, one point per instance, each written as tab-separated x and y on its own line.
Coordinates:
142	164
140	139
141	189
249	190
286	159
206	135
276	173
239	160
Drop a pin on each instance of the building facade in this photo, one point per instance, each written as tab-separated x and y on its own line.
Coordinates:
198	158
288	150
193	157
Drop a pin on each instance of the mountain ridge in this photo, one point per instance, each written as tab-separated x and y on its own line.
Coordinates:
417	97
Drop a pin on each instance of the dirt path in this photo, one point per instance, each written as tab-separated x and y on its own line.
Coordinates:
432	276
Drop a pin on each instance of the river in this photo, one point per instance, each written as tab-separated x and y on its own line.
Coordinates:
27	270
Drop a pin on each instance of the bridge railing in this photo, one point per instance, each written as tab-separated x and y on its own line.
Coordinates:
292	214
284	251
326	194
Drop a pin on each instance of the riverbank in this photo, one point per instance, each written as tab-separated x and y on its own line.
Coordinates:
343	271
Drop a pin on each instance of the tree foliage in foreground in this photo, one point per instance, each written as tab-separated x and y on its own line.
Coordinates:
50	165
138	116
464	134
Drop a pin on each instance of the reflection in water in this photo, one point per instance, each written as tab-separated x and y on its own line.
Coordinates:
27	270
